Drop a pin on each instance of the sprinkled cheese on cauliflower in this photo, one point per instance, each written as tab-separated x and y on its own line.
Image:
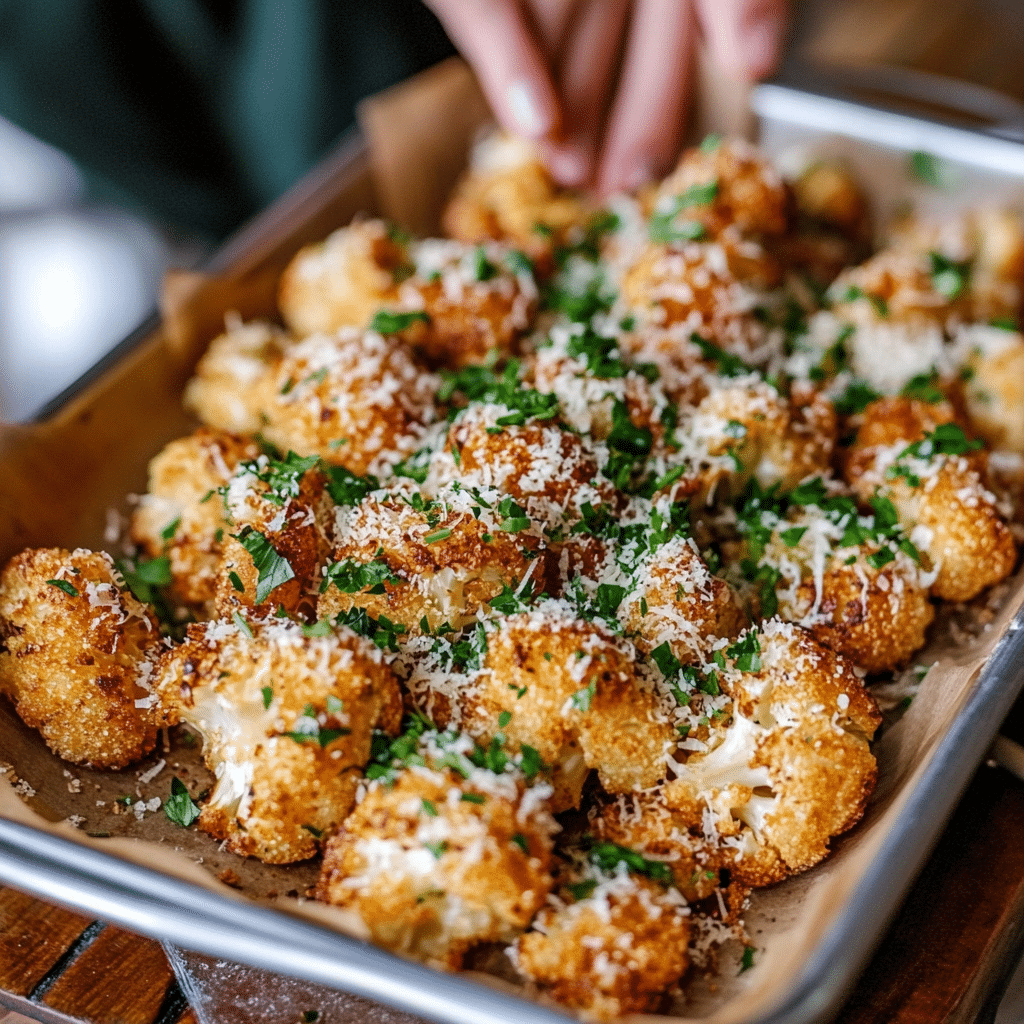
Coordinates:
610	943
286	721
181	515
793	767
441	853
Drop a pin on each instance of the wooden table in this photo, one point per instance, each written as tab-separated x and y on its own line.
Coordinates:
944	961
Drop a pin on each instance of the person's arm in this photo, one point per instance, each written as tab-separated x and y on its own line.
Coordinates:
603	85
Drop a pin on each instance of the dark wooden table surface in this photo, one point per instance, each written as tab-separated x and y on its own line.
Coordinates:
944	961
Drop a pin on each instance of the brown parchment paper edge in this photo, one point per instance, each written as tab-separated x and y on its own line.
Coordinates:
59	476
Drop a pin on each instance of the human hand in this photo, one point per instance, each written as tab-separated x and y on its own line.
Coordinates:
604	85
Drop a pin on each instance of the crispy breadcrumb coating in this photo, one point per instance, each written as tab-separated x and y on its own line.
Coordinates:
228	389
612	952
508	195
792	768
914	454
78	656
286	721
344	280
564	688
182	500
356	399
441	858
413	559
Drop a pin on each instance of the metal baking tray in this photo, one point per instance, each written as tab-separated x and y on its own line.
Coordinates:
800	113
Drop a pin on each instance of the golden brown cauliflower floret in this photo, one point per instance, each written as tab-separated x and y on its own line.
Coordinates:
749	430
506	194
356	399
984	247
792	768
676	599
566	688
77	656
749	193
438	860
548	470
280	521
853	578
477	300
229	385
643	822
182	502
612	952
407	558
911	453
592	375
690	287
828	193
992	385
286	722
344	280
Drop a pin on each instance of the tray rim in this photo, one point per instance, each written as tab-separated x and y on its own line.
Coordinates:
183	913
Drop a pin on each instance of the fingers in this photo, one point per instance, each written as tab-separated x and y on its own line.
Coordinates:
745	37
589	64
645	126
494	36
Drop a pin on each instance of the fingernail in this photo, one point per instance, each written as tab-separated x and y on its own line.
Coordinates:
641	174
568	166
531	120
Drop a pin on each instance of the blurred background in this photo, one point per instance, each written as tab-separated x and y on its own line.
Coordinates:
81	261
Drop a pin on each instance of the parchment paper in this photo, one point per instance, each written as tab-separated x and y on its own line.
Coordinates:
60	479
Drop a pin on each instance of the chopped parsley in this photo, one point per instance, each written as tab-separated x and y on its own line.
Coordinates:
746	652
383	632
664	226
727	364
949	277
582	699
179	806
608	856
65	586
272	569
387	322
352	577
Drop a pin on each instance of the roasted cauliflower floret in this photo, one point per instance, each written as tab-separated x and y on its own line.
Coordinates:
286	721
441	560
675	599
357	399
610	944
547	682
228	389
595	380
439	857
181	516
792	767
477	300
856	580
828	193
992	385
747	191
912	454
690	288
344	280
77	654
508	195
643	823
548	470
280	523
